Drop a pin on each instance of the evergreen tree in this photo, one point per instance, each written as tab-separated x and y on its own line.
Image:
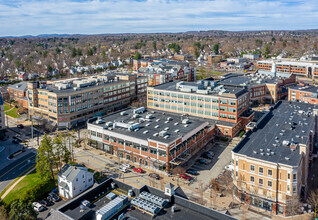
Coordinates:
45	158
21	210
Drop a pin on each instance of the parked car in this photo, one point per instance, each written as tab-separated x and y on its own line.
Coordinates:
192	171
211	153
154	175
138	170
38	207
206	155
86	203
202	161
15	141
46	202
54	197
127	165
123	169
20	126
186	177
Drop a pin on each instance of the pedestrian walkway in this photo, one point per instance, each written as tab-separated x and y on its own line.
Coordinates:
13	185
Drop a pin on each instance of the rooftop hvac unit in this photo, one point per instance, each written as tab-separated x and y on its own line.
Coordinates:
139	110
176	123
185	121
157	126
147	124
166	129
149	116
155	134
123	113
145	132
163	133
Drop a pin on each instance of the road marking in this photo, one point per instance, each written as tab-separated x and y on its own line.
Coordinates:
16	166
111	168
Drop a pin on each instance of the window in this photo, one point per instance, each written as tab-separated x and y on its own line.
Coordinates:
270	173
261	182
252	179
236	162
294	189
294	177
288	176
252	168
288	188
153	151
76	179
270	184
261	171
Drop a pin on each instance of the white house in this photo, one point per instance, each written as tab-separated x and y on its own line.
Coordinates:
73	180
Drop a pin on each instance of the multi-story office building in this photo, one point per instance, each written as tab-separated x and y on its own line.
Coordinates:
156	139
272	162
262	88
303	93
69	103
307	69
227	105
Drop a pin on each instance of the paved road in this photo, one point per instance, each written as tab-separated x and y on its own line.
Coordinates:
15	169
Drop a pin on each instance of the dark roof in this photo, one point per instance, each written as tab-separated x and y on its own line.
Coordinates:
274	128
1	100
21	86
247	80
307	88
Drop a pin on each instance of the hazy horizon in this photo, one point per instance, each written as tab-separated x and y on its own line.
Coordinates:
90	17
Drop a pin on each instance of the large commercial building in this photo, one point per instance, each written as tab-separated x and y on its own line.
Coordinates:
303	93
69	103
228	106
155	139
299	68
263	88
271	164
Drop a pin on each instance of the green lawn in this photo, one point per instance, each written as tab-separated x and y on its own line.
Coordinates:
6	106
28	182
13	113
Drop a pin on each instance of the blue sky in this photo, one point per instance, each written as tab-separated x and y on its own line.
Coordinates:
33	17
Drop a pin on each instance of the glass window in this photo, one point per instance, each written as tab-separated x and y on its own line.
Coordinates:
270	172
252	178
252	168
260	170
261	182
270	184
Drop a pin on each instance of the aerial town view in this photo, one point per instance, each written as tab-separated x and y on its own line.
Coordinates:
158	109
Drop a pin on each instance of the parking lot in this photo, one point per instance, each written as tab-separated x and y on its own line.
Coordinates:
206	172
42	215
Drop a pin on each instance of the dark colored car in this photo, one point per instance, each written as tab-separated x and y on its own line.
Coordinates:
46	202
192	171
54	197
15	141
154	175
206	155
201	161
20	126
185	176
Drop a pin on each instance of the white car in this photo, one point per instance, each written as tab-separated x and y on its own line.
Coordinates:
37	207
123	169
127	165
229	167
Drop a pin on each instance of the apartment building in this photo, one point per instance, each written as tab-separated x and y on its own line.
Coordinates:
228	106
307	69
303	93
162	70
69	103
263	88
155	139
272	162
18	92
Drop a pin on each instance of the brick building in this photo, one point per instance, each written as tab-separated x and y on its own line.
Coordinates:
303	93
272	162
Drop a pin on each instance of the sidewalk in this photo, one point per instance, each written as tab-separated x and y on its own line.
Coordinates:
13	185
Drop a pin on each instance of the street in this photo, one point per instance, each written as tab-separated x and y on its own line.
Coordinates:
15	169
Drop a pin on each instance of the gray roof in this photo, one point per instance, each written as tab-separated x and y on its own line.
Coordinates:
57	215
21	86
288	121
307	88
71	171
171	86
151	128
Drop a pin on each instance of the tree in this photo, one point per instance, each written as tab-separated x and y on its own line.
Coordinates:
154	45
216	48
197	44
313	201
61	153
258	42
73	52
267	51
58	50
175	47
21	210
137	56
45	158
3	213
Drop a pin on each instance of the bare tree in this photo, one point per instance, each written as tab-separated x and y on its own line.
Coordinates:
313	201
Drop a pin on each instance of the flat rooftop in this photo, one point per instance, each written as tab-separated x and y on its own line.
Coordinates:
228	90
307	88
287	124
148	127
